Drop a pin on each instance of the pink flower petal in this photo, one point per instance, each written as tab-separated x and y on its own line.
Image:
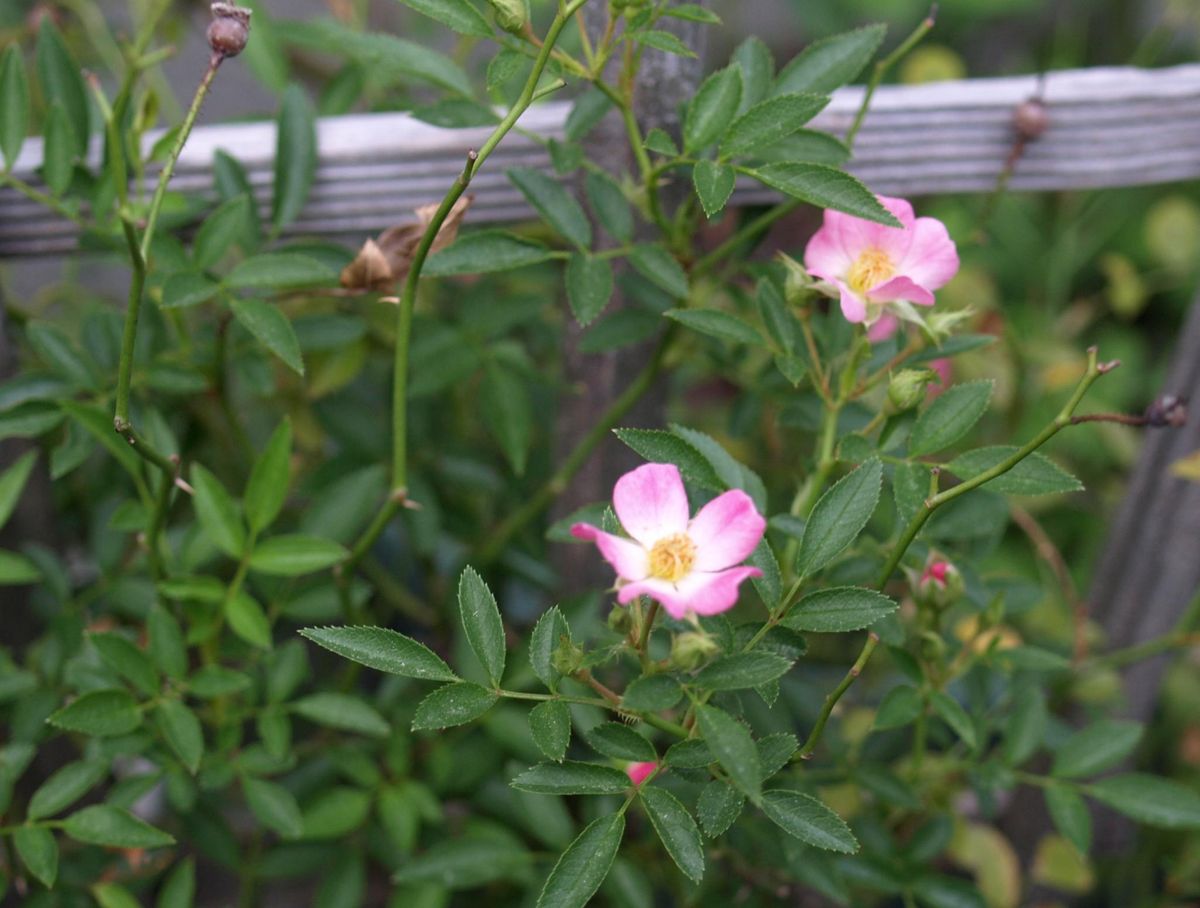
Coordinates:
932	257
854	307
725	531
883	328
900	288
701	593
824	255
651	502
627	558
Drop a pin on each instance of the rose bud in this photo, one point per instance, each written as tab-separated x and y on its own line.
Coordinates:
640	772
906	389
229	29
940	584
692	649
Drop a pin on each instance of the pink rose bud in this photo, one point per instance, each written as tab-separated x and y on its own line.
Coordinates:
640	772
940	584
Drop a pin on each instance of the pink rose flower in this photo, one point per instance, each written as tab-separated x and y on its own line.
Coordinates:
686	564
873	265
640	772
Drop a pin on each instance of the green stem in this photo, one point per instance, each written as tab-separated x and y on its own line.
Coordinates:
836	694
47	201
542	498
881	69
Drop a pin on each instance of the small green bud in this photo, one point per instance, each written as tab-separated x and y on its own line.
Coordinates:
798	285
907	388
567	657
511	15
620	620
940	585
692	649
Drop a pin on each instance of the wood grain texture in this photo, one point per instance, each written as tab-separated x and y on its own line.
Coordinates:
1109	127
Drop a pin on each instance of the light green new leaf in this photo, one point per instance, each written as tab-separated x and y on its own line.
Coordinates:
12	484
382	649
1150	799
295	554
839	516
481	620
279	271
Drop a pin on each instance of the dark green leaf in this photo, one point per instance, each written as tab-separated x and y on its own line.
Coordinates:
103	824
187	288
831	62
658	446
718	806
652	693
899	707
550	726
589	286
127	660
453	704
1070	814
661	143
58	151
910	487
733	748
217	512
64	788
271	328
839	516
166	646
546	637
182	731
714	185
583	866
809	820
587	111
619	741
179	891
676	830
952	713
267	488
609	205
572	778
295	156
1096	748
769	121
248	620
382	649
742	670
14	105
295	554
839	609
481	620
664	41
1034	475
659	267
949	417
484	251
462	863
39	853
717	324
279	270
712	109
274	806
457	14
335	812
342	711
62	85
231	222
508	413
101	713
1026	726
825	187
552	201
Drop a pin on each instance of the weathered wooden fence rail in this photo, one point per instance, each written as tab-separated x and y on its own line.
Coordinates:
1108	127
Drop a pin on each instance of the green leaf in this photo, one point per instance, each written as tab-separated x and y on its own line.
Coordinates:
839	517
182	731
1036	474
1070	814
99	425
583	866
457	14
658	446
1150	799
809	820
742	670
546	637
910	487
481	620
949	417
676	830
661	143
899	707
664	41
16	570
551	200
587	111
589	286
39	853
831	62
952	713
187	288
166	646
771	120
714	185
65	787
123	657
572	778
217	513
609	205
274	806
295	156
12	483
102	713
343	711
758	70
115	827
453	704
660	268
248	620
550	726
382	649
462	863
718	806
271	328
839	609
1096	748
1026	726
179	891
620	742
231	222
508	413
62	85
825	187
485	251
716	323
335	812
295	554
267	488
731	744
14	105
278	271
712	109
947	892
58	152
652	693
693	12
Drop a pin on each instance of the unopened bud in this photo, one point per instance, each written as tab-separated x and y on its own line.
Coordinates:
907	388
229	29
798	284
692	649
511	15
940	584
640	772
1169	411
620	620
567	657
1031	119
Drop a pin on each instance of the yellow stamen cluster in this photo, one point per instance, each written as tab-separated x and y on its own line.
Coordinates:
672	557
870	269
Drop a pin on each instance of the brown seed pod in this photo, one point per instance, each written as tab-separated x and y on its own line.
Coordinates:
229	29
1031	119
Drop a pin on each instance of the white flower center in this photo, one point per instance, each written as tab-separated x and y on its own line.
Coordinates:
872	267
672	557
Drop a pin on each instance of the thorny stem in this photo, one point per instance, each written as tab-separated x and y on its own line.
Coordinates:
1094	370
